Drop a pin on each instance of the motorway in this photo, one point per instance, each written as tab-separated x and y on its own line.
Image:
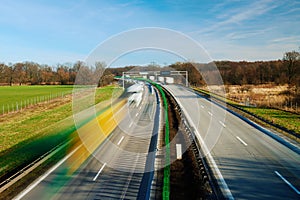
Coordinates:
116	168
247	163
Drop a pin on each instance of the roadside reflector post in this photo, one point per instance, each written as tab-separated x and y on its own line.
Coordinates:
179	151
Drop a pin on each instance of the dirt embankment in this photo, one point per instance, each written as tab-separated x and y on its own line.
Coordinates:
186	180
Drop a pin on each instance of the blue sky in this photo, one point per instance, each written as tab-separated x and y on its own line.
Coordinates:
56	31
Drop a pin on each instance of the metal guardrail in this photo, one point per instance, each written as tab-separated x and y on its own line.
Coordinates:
27	167
205	171
167	168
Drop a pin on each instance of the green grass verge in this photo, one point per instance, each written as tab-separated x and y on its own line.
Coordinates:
288	120
167	168
29	135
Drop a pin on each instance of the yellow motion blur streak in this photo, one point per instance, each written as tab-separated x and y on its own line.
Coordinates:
94	133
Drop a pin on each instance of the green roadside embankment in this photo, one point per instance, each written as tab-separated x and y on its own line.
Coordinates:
27	135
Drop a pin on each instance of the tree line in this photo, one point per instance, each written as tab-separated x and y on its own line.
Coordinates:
285	71
279	72
31	73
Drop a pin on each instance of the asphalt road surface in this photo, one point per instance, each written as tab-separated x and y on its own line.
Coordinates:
247	163
116	169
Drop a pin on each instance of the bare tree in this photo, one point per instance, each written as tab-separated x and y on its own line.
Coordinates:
4	74
32	72
19	73
291	62
47	75
63	74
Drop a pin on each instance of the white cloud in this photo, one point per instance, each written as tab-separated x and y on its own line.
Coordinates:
246	34
289	39
238	15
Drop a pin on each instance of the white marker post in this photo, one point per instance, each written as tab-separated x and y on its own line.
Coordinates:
179	151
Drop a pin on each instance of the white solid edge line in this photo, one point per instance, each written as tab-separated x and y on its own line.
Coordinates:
242	141
99	172
209	156
120	140
28	189
287	182
213	163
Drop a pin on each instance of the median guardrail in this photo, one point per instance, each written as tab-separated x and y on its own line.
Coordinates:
206	173
167	169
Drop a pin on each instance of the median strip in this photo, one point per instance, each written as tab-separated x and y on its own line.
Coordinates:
167	169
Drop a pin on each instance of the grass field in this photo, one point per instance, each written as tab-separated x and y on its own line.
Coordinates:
286	119
34	131
17	97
